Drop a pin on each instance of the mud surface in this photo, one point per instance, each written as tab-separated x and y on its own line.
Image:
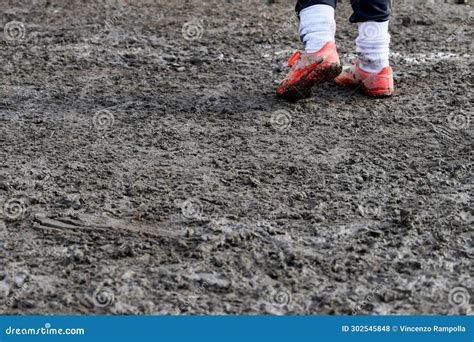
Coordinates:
148	168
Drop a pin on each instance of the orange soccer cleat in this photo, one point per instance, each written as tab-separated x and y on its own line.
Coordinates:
309	69
373	84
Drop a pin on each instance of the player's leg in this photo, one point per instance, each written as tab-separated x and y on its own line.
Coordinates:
370	10
319	61
371	70
317	23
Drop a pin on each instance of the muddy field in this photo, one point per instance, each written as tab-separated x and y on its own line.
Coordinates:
148	168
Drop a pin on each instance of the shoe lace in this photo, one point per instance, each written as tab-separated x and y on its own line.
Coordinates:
294	58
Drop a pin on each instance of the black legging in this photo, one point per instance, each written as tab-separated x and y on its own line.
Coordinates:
364	10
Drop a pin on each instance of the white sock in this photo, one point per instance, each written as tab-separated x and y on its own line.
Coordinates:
317	26
373	46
